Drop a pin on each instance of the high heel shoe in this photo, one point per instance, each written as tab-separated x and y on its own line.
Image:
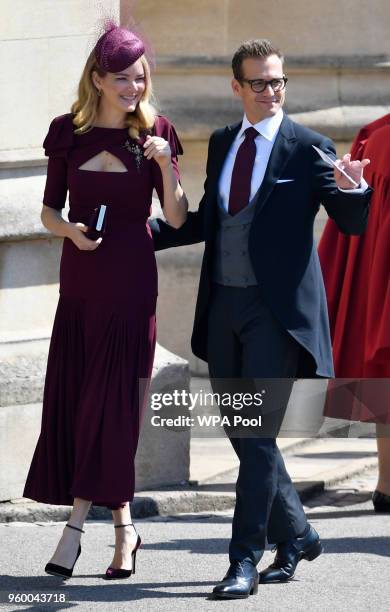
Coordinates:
59	570
381	501
114	574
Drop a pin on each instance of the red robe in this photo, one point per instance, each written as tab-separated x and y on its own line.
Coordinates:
356	272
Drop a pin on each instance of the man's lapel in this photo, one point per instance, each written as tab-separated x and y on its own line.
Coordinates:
284	145
221	151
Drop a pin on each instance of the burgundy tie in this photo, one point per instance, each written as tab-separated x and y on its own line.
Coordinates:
240	188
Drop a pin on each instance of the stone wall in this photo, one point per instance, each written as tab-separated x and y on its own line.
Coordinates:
43	45
216	27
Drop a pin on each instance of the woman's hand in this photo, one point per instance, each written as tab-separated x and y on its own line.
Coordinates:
157	148
76	231
53	221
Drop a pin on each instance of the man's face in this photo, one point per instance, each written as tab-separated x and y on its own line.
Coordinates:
258	106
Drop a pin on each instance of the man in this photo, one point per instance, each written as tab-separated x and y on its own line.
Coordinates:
261	308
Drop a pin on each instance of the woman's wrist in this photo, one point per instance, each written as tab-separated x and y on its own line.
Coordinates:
66	229
167	167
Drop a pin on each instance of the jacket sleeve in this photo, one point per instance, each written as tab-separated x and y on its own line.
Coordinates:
192	230
348	210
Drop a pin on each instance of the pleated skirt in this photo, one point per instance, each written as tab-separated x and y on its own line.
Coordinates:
100	355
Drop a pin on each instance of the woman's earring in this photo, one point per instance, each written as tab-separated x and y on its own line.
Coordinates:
99	92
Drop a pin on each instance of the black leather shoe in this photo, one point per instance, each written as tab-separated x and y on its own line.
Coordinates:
289	554
241	580
381	501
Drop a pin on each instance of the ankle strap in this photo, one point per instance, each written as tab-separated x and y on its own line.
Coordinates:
76	528
127	524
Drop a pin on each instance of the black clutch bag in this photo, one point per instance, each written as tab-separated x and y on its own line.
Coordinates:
97	223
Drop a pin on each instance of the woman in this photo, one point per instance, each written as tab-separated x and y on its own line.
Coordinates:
112	149
357	278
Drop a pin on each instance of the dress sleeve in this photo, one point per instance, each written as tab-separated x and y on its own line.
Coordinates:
56	183
57	144
164	128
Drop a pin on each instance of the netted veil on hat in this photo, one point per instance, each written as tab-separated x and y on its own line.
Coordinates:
118	48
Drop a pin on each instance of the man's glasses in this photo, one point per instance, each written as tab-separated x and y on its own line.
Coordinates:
259	85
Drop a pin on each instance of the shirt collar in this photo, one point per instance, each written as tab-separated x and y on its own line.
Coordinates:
267	127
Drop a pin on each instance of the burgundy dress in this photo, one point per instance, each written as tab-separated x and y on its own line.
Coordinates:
104	330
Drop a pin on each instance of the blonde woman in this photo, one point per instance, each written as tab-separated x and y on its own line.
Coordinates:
111	150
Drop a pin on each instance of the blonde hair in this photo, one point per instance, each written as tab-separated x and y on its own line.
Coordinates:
85	107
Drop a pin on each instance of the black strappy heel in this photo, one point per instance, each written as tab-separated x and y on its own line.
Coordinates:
115	574
59	570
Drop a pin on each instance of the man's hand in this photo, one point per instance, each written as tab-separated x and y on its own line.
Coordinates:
354	169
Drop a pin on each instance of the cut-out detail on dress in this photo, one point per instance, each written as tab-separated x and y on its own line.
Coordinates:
104	162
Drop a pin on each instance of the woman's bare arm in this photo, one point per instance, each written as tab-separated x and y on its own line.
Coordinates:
175	201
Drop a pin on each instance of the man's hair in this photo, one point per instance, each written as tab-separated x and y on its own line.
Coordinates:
257	48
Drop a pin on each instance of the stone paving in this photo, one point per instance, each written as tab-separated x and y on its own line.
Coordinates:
183	556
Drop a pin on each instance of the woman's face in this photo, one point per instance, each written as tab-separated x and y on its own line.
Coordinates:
123	90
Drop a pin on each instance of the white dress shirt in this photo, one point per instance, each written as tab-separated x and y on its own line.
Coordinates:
268	130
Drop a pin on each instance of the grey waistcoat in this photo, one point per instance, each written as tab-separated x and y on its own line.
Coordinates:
232	265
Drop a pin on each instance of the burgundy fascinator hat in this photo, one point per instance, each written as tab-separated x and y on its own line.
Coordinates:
118	48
